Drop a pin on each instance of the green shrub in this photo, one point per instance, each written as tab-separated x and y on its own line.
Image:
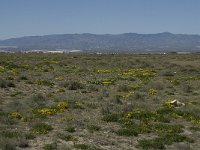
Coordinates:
75	85
23	77
93	128
52	146
112	117
44	82
76	105
29	136
92	105
22	143
6	119
117	99
82	146
167	128
6	84
93	88
124	88
175	82
127	132
70	129
65	137
160	142
195	128
186	88
41	128
7	144
105	110
10	134
167	73
38	100
152	144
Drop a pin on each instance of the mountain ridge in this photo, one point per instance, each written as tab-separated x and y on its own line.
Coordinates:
164	41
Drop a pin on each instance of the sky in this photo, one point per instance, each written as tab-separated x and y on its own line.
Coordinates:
42	17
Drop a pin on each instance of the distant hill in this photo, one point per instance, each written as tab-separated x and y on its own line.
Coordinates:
106	42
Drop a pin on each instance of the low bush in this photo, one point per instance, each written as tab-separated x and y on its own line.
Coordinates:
6	84
44	82
23	77
127	132
10	134
82	146
41	128
22	143
74	85
52	146
112	117
93	128
6	119
71	129
65	137
160	142
7	144
195	128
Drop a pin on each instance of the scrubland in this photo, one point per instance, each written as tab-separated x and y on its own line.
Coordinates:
99	102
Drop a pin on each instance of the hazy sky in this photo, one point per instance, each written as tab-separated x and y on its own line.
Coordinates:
40	17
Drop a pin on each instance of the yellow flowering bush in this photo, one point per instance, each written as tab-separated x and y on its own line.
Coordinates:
62	105
152	91
47	111
60	78
2	69
136	86
139	72
128	95
195	121
107	70
51	62
16	115
58	108
13	71
107	82
129	115
103	82
167	104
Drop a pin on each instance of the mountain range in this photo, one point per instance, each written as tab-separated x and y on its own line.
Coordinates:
105	42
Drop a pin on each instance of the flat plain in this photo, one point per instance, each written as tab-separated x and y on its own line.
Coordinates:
99	102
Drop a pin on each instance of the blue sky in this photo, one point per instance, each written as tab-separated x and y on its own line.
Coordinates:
41	17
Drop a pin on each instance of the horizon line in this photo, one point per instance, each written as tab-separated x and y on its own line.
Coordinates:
166	32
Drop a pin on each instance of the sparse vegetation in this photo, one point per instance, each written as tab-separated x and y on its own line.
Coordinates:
160	142
41	128
89	101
